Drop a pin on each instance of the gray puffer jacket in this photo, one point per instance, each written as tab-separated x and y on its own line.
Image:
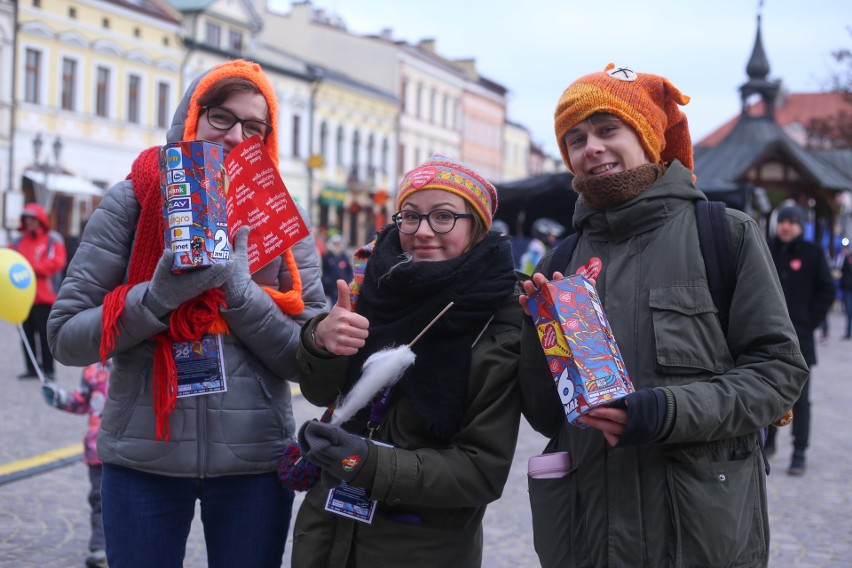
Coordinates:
239	431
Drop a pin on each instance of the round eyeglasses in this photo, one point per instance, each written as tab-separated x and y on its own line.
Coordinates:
440	220
223	119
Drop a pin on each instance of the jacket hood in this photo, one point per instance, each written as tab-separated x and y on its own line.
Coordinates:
37	211
185	121
651	208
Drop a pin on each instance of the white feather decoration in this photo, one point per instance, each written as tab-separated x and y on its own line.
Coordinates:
381	369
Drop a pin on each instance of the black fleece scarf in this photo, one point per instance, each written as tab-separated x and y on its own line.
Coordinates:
400	297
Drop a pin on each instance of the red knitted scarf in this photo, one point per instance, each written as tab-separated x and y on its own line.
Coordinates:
191	320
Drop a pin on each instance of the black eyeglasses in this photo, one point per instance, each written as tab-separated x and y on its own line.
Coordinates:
440	220
223	119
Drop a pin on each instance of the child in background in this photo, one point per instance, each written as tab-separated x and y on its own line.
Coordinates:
89	398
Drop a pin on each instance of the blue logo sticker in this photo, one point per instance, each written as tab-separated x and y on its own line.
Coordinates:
20	275
177	176
174	158
179	204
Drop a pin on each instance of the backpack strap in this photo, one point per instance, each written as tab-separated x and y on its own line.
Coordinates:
562	254
715	246
716	250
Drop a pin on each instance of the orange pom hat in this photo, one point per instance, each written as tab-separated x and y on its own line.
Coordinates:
238	68
647	103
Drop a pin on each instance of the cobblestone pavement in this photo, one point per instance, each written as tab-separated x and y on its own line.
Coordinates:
44	517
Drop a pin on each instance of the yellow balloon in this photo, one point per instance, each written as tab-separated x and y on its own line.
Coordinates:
17	286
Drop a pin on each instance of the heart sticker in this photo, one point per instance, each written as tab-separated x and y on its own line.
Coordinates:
421	177
591	269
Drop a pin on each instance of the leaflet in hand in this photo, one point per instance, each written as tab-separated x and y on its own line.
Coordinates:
258	197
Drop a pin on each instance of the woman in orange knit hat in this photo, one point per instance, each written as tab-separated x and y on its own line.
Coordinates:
163	452
672	474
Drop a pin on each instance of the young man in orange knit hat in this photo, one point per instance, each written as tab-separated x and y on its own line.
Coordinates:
162	452
672	474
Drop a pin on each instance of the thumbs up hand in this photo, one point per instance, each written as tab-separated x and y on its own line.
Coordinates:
342	332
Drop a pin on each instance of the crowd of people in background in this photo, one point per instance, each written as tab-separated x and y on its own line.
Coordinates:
421	458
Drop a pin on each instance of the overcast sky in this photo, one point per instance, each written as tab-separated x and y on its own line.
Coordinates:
536	48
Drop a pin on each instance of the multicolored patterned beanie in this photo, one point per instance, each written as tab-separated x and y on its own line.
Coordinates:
440	172
647	103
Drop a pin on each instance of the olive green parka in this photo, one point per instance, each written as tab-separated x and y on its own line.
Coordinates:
698	496
444	484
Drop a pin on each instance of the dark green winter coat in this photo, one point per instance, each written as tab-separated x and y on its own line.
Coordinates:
446	484
697	497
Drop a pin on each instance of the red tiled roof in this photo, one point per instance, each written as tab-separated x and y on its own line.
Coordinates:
797	108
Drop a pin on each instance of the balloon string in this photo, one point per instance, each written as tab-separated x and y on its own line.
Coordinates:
36	366
430	324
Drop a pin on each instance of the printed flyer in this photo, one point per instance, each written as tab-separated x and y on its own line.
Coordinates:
258	197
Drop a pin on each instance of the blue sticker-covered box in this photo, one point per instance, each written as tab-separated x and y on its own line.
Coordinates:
581	351
192	180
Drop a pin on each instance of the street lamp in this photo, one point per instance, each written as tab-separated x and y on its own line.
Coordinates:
37	147
45	166
57	150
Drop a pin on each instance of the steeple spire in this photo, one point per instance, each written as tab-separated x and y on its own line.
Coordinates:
758	64
758	71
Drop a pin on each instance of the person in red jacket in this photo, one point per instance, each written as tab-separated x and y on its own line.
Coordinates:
45	251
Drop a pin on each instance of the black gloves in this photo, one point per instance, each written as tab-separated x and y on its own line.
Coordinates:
646	415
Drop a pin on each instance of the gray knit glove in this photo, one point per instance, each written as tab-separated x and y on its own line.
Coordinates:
339	453
236	285
167	290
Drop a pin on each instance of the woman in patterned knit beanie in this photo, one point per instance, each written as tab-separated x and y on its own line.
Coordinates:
428	455
672	474
163	452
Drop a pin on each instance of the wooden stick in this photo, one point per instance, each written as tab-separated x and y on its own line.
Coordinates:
431	323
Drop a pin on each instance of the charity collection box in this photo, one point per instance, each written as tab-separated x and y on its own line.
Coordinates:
192	179
581	351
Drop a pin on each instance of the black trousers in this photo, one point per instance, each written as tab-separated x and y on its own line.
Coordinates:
36	325
801	420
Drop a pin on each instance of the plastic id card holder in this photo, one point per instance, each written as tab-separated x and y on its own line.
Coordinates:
200	368
352	502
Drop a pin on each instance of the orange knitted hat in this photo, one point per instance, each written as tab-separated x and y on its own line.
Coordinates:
647	103
238	68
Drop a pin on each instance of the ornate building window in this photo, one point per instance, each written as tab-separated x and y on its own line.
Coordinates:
102	91
162	104
297	134
134	83
69	84
32	76
213	34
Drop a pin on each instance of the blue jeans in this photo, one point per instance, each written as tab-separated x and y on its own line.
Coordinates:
147	518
